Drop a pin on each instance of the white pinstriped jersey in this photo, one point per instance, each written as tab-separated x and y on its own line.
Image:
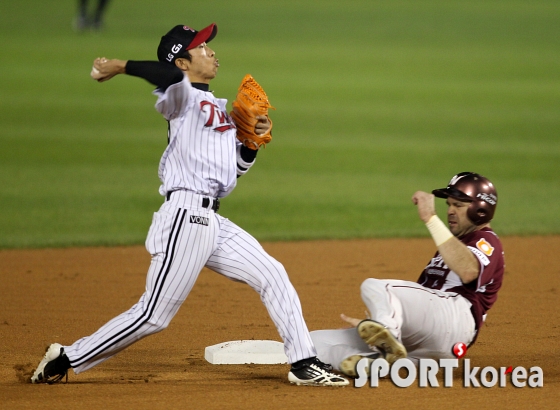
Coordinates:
203	151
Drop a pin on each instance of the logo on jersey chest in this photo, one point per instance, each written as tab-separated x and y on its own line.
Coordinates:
199	220
436	273
438	263
216	119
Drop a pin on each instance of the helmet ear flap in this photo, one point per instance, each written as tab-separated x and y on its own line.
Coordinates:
472	214
476	213
479	212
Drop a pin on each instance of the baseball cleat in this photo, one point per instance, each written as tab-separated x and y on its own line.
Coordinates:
375	334
313	372
53	367
349	365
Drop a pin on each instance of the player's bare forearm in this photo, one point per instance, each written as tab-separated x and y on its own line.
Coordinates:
104	69
459	259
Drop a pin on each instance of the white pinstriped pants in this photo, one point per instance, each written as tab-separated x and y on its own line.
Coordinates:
185	237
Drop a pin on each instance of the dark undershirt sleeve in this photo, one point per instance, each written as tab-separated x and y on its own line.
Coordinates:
248	154
245	160
162	75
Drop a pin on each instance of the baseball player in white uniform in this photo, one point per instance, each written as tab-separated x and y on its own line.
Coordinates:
447	305
200	166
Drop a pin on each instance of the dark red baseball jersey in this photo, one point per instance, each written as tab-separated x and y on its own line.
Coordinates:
483	291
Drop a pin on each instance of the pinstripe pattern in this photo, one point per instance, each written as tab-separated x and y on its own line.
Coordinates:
240	257
180	250
121	331
201	161
173	271
201	156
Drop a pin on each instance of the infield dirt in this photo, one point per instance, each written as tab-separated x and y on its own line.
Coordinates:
60	295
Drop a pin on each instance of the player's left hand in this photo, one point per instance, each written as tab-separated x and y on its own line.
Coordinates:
263	124
425	203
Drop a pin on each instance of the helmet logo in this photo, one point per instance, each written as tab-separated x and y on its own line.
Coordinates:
489	198
455	179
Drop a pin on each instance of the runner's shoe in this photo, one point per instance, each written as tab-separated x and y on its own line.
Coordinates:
375	334
349	365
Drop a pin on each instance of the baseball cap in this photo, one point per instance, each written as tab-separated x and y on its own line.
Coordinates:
182	38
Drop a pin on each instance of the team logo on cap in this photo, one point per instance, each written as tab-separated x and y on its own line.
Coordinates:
188	28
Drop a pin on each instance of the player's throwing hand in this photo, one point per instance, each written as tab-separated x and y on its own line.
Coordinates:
104	69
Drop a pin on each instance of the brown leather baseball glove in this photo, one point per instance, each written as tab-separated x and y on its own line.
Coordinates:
251	101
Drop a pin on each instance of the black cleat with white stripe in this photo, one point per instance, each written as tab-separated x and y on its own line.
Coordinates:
313	372
54	366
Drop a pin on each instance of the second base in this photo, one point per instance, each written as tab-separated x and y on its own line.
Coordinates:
246	352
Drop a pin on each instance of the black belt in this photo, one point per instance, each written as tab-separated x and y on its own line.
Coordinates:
212	203
215	203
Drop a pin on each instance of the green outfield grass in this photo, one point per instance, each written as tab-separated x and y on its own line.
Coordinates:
375	100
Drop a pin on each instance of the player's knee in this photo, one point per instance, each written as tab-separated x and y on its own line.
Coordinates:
371	288
155	326
274	272
274	281
160	321
370	283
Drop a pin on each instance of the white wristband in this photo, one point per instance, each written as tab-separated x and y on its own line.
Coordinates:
440	233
